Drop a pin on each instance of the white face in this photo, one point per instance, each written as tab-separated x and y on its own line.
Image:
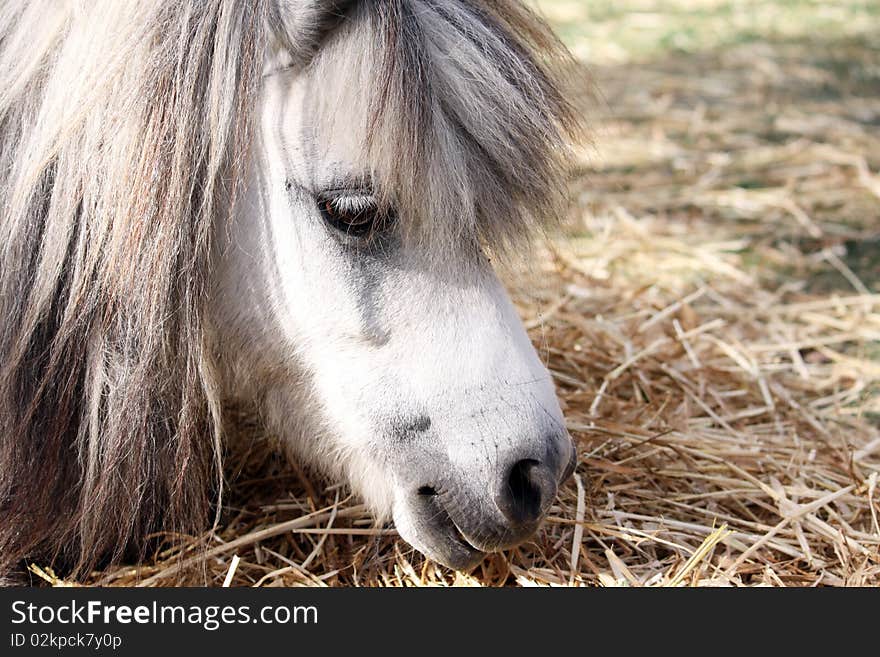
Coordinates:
411	377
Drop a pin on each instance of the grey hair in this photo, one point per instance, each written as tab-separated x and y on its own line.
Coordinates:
124	129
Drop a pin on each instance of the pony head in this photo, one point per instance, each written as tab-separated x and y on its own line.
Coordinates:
289	205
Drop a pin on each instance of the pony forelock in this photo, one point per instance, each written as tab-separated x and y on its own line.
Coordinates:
468	129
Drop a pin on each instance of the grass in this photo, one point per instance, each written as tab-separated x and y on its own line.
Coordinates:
607	31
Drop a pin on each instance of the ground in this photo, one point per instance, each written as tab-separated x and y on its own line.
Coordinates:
711	316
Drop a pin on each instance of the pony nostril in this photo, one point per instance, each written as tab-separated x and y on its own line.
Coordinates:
427	491
527	492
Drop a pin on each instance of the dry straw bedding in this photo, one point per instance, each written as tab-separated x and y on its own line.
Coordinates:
714	339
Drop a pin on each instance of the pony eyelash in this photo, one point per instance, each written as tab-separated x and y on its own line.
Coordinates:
354	213
352	203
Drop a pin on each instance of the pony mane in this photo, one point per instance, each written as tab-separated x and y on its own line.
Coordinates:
124	128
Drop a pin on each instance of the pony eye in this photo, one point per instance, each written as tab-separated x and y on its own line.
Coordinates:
355	215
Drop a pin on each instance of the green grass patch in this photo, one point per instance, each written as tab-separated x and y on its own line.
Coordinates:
611	31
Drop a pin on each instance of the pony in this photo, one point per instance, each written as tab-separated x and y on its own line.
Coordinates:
287	204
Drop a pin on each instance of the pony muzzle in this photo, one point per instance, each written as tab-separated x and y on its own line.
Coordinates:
456	520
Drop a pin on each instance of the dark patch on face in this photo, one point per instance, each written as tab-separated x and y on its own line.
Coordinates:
367	279
406	428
